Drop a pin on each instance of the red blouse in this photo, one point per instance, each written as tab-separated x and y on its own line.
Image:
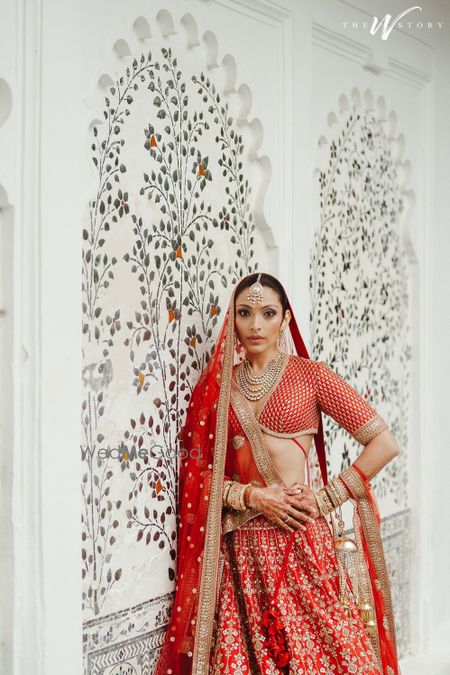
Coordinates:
305	386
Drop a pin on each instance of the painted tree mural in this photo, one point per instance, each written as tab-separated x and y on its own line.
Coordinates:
359	282
169	228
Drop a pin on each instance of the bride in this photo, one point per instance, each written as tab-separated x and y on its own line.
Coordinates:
264	584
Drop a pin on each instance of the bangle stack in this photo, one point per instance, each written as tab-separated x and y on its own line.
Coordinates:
234	494
332	495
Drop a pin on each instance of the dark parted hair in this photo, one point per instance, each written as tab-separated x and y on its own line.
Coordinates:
266	280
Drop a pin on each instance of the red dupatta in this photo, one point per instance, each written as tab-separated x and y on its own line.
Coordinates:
187	643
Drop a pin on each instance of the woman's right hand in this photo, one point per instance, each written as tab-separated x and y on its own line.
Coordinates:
274	503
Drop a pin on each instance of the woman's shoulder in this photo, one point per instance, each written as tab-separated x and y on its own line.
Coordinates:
304	362
310	364
302	369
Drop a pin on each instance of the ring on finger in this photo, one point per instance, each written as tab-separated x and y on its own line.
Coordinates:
287	518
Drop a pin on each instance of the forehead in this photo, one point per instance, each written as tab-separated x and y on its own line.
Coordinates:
270	297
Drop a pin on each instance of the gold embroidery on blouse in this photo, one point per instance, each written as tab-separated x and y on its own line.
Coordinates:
369	430
281	434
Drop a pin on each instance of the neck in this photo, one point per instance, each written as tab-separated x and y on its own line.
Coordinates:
259	362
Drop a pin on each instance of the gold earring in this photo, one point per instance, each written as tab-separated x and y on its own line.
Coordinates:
282	340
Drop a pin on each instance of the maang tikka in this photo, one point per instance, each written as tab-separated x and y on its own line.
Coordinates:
256	295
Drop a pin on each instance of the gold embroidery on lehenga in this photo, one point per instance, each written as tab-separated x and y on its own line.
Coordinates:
231	520
310	583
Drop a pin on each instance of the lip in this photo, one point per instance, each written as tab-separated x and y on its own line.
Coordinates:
255	339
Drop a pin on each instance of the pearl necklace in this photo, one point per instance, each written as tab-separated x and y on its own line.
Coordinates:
262	382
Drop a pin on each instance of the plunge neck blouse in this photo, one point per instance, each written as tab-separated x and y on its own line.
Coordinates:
291	408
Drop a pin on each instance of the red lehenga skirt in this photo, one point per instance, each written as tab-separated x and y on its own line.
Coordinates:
322	638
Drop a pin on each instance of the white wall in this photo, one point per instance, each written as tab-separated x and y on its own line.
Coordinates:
52	55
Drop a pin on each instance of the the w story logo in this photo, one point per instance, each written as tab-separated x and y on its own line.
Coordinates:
388	23
384	23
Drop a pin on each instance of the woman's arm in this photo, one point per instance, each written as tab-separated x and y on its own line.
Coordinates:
352	412
338	399
377	453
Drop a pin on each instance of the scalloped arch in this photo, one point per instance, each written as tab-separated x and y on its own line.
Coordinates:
142	29
190	26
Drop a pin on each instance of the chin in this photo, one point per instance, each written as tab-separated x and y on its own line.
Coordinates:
256	349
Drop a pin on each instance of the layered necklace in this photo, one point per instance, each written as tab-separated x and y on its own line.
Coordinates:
253	386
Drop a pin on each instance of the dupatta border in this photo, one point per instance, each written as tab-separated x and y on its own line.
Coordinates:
367	586
253	432
211	551
375	546
232	521
370	527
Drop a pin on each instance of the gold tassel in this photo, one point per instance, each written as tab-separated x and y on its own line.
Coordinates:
365	607
350	559
346	550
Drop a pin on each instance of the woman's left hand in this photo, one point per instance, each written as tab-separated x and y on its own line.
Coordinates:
303	498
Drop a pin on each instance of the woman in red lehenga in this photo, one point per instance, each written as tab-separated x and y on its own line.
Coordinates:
263	582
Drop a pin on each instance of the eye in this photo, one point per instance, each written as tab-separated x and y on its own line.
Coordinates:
270	313
242	312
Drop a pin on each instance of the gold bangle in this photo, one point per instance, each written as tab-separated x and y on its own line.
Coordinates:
235	496
332	495
226	490
230	493
320	504
327	503
239	504
341	490
249	485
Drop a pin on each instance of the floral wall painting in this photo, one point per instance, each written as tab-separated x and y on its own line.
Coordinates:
168	229
360	281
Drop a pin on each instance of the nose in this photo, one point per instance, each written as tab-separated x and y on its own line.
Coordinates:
254	325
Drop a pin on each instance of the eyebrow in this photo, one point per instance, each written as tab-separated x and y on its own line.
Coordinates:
248	306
